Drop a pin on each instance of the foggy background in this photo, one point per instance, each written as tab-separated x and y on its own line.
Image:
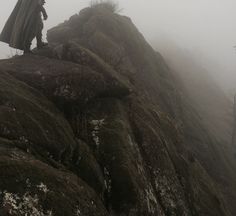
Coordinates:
206	29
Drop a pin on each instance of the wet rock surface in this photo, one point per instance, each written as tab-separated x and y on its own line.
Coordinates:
97	125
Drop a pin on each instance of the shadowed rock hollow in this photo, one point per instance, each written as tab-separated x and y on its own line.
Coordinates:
97	124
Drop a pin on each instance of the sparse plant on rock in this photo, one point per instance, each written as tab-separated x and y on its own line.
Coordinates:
110	5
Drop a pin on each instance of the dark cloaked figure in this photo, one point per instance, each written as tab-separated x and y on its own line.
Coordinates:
24	24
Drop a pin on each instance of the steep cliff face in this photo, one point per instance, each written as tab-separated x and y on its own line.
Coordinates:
96	125
215	111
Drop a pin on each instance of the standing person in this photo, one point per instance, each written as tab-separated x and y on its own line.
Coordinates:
24	24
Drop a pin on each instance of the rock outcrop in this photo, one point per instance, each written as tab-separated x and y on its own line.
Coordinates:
97	125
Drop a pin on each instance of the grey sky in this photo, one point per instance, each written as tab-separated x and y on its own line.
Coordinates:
203	26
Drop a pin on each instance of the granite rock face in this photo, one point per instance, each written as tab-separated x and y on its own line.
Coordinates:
97	125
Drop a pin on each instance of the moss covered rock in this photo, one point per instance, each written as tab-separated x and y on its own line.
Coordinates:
101	126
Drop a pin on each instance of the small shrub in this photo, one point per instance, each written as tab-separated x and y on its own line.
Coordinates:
106	4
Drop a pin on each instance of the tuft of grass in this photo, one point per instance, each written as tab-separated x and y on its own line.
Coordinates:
112	6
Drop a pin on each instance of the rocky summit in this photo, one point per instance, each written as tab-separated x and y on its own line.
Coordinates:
98	125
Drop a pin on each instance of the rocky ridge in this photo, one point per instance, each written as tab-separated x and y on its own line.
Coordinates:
97	125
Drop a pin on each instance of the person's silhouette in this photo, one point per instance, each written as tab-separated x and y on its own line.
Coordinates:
24	24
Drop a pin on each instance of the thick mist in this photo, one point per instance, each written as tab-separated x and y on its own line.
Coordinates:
206	28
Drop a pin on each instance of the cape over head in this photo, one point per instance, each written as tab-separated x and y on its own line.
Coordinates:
21	26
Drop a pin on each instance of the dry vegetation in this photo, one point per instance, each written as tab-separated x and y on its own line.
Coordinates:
110	5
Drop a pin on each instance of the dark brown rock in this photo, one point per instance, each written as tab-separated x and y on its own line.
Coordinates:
124	127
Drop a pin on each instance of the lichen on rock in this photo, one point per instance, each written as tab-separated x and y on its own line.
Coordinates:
96	125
